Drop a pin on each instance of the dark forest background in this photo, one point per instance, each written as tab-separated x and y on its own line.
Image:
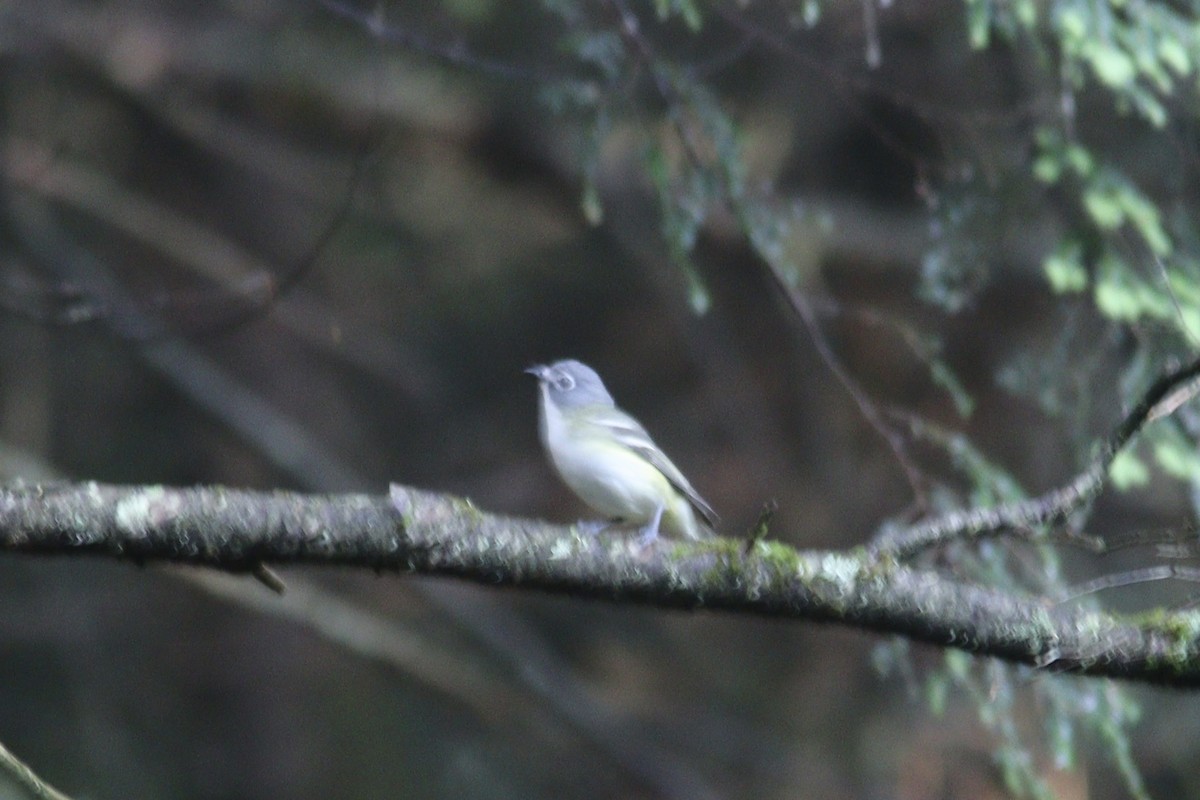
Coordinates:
302	245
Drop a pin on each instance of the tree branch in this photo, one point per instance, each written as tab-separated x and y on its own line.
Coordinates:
1056	505
415	531
26	778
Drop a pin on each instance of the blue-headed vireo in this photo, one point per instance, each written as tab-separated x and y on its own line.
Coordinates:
609	460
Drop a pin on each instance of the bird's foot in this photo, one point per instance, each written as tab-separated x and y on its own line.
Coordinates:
649	534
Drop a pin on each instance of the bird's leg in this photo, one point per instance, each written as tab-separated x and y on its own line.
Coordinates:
650	532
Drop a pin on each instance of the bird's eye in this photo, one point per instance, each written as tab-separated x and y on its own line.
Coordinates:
564	382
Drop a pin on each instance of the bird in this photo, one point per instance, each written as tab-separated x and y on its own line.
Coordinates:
609	460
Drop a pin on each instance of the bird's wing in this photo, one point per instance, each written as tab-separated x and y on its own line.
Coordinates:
630	433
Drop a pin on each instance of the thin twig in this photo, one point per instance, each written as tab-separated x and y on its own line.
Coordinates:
870	412
1053	506
1131	577
27	778
1178	542
759	532
931	111
453	53
631	32
1166	279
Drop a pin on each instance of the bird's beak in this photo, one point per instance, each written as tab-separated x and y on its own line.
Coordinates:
538	371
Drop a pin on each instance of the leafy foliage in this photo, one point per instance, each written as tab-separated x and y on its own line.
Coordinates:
1141	56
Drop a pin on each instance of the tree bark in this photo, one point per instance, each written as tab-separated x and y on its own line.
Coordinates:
422	532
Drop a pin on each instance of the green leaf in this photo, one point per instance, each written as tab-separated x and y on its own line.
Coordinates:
1175	55
1116	301
1080	160
1120	296
1149	106
1127	471
937	690
1112	65
1145	217
699	297
979	23
959	664
1048	168
1026	13
1062	740
1104	207
811	13
685	8
1072	24
1151	68
593	209
1178	458
1064	269
604	49
944	377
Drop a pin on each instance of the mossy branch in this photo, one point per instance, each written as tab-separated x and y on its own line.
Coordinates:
422	532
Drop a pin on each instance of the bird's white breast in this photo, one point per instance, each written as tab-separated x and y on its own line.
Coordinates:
607	476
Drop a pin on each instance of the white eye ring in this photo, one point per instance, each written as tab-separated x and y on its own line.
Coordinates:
564	382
